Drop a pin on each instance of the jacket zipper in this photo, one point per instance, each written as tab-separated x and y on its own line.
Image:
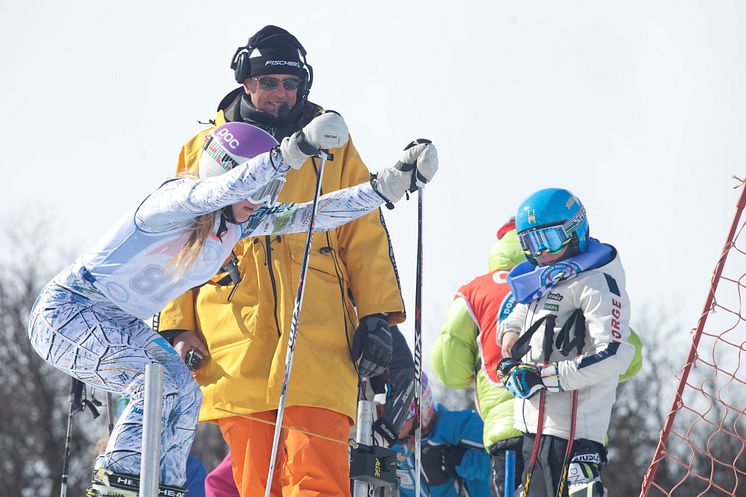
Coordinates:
268	244
233	291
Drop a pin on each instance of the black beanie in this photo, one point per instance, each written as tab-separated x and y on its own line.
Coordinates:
276	52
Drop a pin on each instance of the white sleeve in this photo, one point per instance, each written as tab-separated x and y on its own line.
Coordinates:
181	200
514	322
335	209
608	352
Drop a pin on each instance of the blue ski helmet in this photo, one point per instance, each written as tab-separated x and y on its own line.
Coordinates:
549	220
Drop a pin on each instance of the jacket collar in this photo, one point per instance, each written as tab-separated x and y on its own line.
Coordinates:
529	282
237	106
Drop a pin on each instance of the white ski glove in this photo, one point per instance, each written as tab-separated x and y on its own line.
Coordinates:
324	132
419	157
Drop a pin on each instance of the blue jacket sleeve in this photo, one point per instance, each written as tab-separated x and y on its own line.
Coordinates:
196	474
475	465
463	428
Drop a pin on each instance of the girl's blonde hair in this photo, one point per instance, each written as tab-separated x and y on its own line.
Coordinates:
199	232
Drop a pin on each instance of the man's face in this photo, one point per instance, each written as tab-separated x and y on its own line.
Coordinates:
268	92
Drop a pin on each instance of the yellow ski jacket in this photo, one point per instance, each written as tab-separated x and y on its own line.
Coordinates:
246	326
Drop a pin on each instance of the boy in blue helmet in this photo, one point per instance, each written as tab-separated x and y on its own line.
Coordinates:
566	343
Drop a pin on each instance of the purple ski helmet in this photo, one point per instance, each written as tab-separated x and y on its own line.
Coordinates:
230	145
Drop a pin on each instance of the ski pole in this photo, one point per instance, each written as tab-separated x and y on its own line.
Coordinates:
294	322
509	473
418	349
110	411
575	325
78	403
75	406
418	329
570	442
546	347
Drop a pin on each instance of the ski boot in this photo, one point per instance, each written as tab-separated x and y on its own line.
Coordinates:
107	483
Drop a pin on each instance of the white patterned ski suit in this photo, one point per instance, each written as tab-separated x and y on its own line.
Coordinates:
88	321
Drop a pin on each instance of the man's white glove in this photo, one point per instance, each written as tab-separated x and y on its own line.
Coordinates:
324	132
416	168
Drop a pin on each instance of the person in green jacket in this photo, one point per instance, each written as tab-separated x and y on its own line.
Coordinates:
466	351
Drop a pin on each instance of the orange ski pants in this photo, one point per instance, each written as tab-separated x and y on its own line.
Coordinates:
307	464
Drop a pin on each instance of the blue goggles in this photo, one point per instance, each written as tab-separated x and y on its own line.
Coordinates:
550	238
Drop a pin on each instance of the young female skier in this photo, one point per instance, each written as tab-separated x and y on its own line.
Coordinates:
88	321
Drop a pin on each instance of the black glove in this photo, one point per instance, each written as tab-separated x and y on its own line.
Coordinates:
505	366
439	462
372	346
398	400
526	380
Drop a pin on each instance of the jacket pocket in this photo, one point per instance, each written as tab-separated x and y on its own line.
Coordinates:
323	257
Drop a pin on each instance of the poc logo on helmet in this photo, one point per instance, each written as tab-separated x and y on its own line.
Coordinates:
228	138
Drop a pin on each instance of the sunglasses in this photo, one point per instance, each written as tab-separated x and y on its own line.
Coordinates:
290	84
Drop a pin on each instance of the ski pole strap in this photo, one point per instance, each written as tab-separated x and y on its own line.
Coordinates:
79	400
522	346
572	334
76	391
230	267
408	167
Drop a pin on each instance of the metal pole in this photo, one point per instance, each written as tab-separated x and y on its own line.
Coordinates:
294	323
364	435
150	463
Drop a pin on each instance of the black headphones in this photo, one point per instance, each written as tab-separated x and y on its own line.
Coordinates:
241	64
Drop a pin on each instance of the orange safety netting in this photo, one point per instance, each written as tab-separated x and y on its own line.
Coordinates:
702	448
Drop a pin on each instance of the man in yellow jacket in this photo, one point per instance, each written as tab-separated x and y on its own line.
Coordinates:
242	316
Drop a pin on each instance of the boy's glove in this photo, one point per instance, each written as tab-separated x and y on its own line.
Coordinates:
504	367
526	380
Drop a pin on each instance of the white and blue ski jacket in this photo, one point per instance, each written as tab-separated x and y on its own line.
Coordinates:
601	296
132	266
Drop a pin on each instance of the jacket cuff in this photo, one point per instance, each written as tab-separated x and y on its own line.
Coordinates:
501	333
170	335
